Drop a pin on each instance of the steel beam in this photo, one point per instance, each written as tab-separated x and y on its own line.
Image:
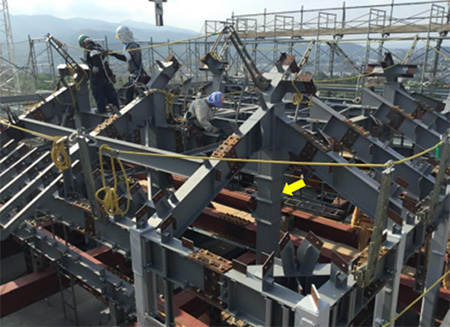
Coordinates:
182	167
27	290
144	281
114	235
386	300
398	120
417	178
24	98
204	185
81	264
434	272
394	92
353	184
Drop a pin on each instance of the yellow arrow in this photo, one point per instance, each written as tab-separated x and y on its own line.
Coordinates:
289	189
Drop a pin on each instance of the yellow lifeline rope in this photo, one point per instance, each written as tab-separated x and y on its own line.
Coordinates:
244	160
110	201
418	299
59	155
297	97
169	101
284	162
156	45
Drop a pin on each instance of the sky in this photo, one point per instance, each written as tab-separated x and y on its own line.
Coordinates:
189	14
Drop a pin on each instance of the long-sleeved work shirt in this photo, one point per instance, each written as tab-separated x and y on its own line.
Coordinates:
133	58
201	114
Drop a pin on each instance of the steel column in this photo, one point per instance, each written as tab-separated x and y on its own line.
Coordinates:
434	272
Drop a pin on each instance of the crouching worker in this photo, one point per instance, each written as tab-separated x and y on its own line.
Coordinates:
102	78
200	114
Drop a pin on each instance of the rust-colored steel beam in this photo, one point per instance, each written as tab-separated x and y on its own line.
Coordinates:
27	290
9	247
305	221
24	291
187	308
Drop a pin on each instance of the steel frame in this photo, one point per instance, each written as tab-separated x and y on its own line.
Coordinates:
286	285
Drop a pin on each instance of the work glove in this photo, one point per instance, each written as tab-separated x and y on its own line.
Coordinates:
216	129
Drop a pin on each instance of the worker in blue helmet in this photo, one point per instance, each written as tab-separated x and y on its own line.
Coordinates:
200	111
101	76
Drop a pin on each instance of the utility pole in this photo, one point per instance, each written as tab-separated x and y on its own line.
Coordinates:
9	80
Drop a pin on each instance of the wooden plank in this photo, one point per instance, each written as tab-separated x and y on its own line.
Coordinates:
436	28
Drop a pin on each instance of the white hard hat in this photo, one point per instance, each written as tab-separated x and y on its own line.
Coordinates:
124	34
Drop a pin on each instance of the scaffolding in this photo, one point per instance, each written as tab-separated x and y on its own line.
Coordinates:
9	81
346	40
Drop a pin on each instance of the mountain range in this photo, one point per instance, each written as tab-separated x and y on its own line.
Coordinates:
68	30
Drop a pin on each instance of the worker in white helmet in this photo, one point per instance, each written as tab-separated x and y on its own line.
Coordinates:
132	55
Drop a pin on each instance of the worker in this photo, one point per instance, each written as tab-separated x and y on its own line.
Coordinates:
138	78
199	115
200	111
102	78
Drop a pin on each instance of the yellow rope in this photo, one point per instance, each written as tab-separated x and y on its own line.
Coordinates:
244	160
59	154
417	299
110	201
297	97
283	162
157	45
169	102
60	157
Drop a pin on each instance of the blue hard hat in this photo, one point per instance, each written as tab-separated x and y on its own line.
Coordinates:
215	99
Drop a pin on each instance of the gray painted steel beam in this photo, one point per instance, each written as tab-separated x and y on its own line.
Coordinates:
371	150
245	296
145	288
203	186
179	166
99	278
434	272
24	98
379	226
394	92
387	299
11	217
416	131
182	167
113	234
350	182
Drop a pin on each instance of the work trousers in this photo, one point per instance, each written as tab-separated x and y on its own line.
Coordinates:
104	93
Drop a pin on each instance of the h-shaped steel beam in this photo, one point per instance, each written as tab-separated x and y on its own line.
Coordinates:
352	183
414	178
400	121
